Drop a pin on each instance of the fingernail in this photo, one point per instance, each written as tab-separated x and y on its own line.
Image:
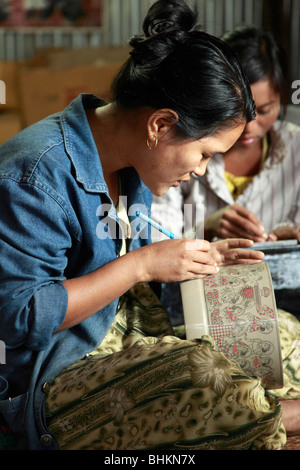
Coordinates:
263	231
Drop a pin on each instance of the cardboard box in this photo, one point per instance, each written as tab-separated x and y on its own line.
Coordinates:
62	57
48	89
10	125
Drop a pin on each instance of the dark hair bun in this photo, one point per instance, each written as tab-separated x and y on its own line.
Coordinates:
166	24
171	14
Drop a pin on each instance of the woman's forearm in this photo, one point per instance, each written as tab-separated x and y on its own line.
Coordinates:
165	261
90	293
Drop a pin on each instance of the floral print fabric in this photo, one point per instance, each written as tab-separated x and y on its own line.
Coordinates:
145	388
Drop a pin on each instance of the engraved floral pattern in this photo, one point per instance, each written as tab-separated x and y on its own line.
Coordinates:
241	308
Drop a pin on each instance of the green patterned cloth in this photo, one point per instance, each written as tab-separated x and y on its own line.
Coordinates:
146	388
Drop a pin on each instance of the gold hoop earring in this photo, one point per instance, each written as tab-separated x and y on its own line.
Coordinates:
155	143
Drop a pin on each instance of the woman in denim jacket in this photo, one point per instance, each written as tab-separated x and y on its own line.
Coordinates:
179	99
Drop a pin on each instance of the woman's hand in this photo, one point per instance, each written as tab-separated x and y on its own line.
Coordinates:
235	222
234	251
285	232
182	259
175	260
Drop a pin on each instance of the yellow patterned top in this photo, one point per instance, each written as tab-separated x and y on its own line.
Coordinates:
238	184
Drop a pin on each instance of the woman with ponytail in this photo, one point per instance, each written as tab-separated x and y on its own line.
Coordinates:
91	358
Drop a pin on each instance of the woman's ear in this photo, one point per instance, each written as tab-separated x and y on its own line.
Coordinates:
160	122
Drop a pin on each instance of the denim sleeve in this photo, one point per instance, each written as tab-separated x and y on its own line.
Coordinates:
34	242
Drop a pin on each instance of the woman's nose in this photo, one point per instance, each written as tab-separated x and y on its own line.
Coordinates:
201	168
250	126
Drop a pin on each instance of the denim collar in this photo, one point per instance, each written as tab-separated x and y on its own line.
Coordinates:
80	144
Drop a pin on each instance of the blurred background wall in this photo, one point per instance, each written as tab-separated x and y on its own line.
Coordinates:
122	18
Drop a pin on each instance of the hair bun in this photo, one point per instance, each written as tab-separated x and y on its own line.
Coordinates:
169	15
167	24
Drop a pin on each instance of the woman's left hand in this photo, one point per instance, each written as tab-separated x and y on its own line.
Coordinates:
235	251
285	232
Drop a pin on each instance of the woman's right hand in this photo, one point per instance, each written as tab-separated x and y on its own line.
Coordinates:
175	260
182	259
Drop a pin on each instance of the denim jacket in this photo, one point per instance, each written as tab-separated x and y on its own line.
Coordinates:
57	222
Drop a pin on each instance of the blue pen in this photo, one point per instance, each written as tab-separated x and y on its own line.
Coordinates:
156	225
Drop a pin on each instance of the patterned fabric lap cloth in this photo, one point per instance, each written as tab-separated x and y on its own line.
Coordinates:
145	388
289	328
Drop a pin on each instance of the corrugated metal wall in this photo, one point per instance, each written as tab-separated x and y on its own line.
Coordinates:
122	18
